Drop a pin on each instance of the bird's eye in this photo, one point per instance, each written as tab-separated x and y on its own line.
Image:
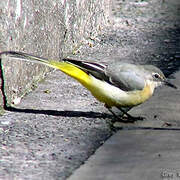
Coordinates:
156	75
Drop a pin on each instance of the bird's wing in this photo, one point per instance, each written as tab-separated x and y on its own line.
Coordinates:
122	75
127	77
95	69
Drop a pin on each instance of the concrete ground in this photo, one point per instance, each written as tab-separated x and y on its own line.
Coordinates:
134	154
56	129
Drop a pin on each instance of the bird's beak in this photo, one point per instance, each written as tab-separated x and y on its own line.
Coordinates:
167	83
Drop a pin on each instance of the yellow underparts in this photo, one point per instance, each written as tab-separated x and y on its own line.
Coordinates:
113	96
138	97
104	92
72	71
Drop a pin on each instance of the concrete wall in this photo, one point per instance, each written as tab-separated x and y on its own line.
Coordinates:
51	28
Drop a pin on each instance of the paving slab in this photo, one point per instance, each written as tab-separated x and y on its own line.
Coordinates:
135	154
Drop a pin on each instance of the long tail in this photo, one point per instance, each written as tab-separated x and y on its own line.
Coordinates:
64	66
31	58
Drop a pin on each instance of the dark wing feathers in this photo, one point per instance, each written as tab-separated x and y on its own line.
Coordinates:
95	69
122	75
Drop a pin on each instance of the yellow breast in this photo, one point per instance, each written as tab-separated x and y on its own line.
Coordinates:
138	97
113	96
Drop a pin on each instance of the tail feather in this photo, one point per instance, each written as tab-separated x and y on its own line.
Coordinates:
95	69
28	57
86	66
68	68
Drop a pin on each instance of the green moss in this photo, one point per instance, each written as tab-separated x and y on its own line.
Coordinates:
2	111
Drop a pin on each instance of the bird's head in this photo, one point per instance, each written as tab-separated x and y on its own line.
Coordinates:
157	77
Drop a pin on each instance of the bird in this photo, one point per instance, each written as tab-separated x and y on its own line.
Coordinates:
116	84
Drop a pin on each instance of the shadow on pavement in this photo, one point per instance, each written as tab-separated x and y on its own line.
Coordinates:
89	114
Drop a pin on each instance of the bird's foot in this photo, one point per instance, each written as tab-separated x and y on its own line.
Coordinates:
127	118
130	118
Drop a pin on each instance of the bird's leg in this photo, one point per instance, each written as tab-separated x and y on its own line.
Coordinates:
129	116
114	114
117	117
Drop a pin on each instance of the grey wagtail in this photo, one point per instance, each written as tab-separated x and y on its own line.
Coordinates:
117	84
